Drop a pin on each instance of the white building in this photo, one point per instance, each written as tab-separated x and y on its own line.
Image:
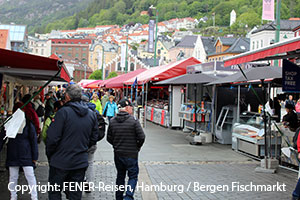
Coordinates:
265	35
232	17
39	47
204	46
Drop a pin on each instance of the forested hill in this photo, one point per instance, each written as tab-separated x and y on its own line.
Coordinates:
103	12
38	13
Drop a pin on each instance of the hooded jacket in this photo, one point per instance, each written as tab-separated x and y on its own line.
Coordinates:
126	135
73	130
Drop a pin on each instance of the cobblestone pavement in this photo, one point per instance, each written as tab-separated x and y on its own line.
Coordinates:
168	160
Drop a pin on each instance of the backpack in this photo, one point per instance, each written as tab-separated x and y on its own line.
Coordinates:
101	126
295	138
40	111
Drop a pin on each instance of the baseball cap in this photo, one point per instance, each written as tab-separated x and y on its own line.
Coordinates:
123	103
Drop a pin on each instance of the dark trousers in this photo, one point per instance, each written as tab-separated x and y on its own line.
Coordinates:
59	176
130	166
109	118
296	192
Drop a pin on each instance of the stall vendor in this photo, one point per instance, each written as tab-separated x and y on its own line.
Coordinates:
290	119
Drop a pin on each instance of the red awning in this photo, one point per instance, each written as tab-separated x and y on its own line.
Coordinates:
94	84
164	72
287	49
31	67
118	82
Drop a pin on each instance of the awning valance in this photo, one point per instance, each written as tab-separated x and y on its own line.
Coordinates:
31	67
289	48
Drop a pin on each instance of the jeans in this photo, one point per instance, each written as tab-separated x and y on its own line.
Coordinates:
129	165
89	175
296	192
13	181
59	176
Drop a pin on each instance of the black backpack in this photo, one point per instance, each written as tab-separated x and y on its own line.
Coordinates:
40	111
295	138
101	125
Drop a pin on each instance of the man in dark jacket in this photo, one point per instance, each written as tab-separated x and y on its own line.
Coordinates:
127	137
69	137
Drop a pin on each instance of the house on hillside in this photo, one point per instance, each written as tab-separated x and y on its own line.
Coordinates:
185	47
265	35
204	47
226	47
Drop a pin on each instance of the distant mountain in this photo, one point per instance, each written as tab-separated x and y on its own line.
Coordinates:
46	15
38	13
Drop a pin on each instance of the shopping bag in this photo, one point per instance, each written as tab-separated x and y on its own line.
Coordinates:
15	125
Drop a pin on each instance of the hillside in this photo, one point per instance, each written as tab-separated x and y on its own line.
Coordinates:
103	12
38	13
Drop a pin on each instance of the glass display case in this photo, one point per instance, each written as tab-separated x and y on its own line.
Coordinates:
248	136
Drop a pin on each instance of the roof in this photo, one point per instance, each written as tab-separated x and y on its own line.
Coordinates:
31	67
164	72
208	44
188	79
167	44
189	41
118	82
240	45
4	34
288	48
108	47
17	33
226	41
285	25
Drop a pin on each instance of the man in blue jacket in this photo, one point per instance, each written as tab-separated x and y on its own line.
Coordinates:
73	130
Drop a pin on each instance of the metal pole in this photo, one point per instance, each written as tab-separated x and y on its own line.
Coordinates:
155	44
103	75
269	124
126	61
145	118
265	123
131	94
84	71
277	33
195	107
238	104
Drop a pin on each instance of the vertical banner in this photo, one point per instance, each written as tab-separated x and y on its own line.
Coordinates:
268	10
290	77
123	55
151	36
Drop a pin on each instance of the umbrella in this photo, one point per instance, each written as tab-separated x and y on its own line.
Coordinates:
189	79
255	73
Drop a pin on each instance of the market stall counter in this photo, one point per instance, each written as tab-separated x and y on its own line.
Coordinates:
157	112
248	136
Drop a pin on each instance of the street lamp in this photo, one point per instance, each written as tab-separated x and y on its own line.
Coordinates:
156	21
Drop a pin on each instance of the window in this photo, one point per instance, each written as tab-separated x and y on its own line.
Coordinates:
84	55
76	55
257	44
63	54
69	54
132	67
84	49
253	45
261	43
36	51
83	59
79	42
119	66
56	48
65	42
70	48
42	51
63	48
77	49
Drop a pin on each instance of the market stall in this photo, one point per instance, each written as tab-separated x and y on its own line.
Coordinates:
158	104
287	49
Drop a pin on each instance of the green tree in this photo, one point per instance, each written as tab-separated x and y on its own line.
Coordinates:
249	18
111	75
96	75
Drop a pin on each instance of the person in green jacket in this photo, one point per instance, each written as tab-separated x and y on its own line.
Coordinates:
95	100
48	121
105	99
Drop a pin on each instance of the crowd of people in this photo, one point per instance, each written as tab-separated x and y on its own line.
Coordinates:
70	122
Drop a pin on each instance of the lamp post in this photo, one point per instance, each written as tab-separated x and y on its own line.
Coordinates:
277	33
156	29
126	57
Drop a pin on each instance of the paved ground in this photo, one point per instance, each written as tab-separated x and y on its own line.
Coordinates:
167	160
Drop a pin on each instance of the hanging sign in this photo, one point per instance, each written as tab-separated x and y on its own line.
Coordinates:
151	36
290	77
268	10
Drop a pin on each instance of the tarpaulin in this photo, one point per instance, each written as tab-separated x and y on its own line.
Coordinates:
118	82
266	53
164	72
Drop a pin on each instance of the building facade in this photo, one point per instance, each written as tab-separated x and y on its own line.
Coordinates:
18	36
39	47
76	49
